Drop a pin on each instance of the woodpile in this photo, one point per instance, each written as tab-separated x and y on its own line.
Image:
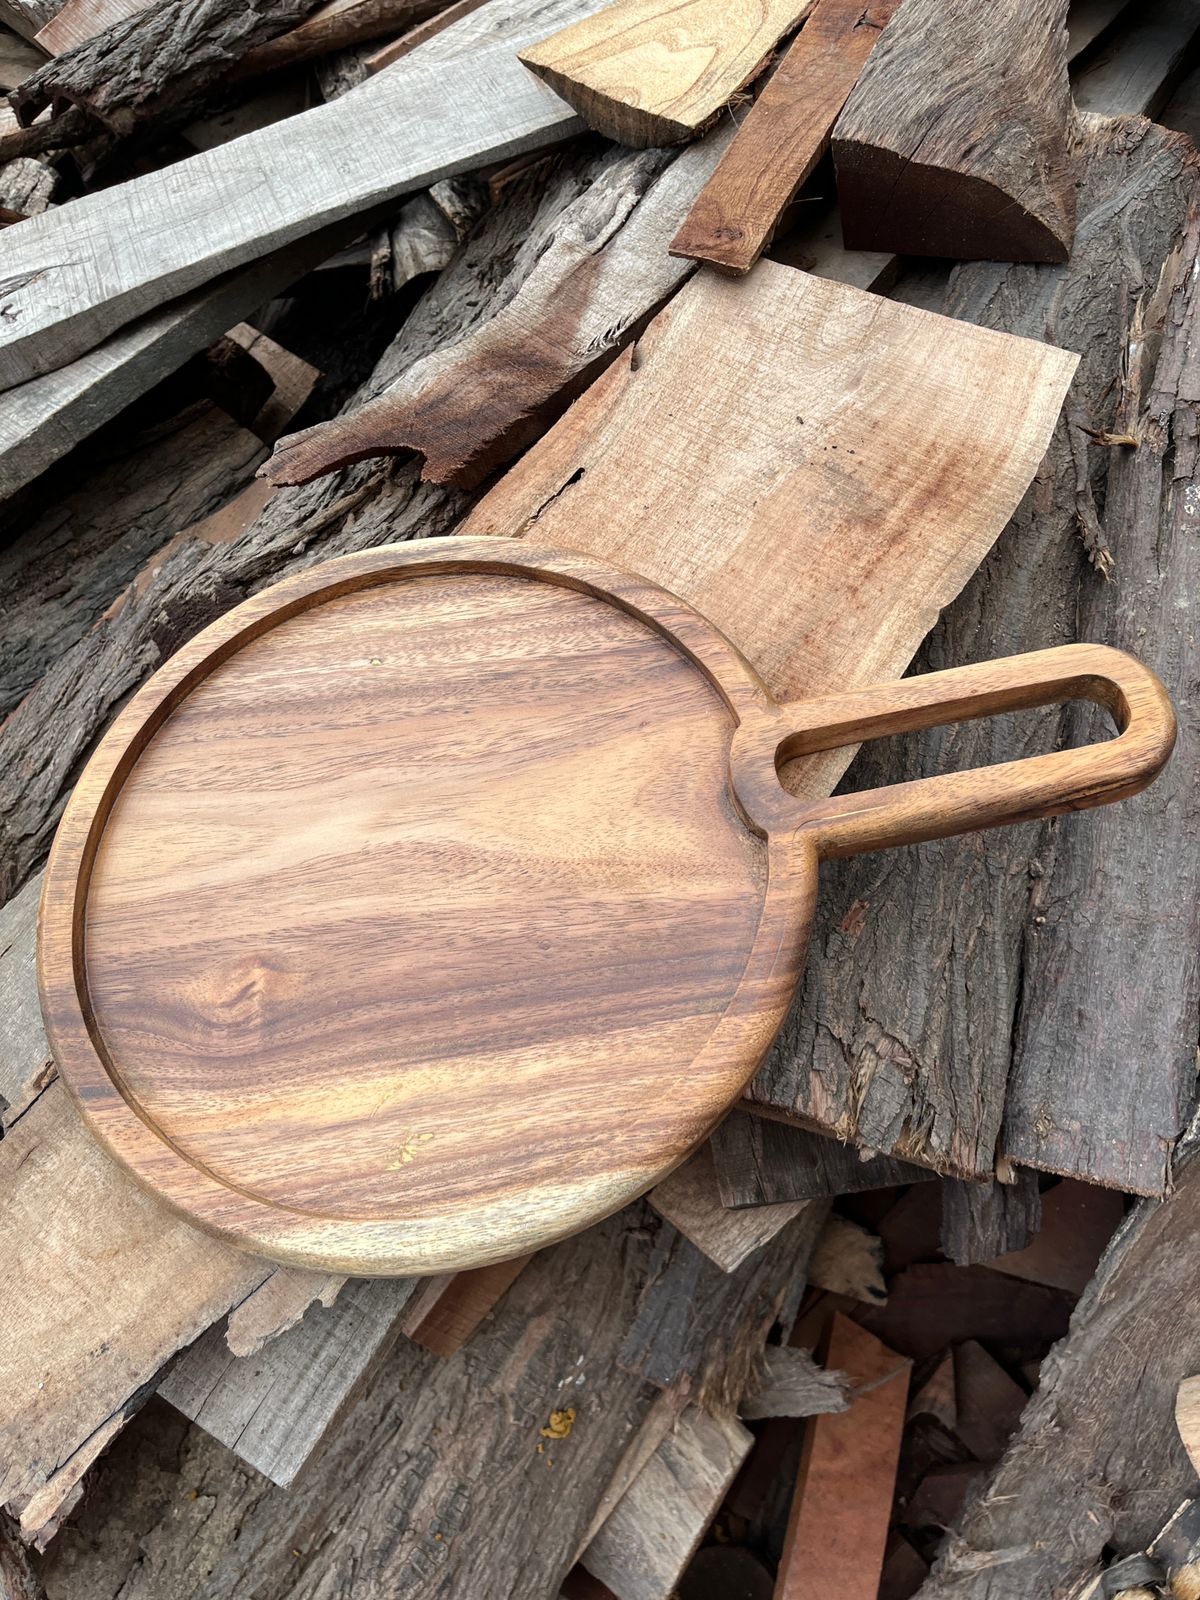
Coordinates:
866	332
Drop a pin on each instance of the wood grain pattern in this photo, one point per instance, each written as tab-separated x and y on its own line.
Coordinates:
785	134
335	26
67	285
348	730
839	1520
954	141
447	1310
472	407
80	20
654	72
689	1199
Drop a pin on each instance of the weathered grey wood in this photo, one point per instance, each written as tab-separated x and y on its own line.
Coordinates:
273	1407
954	139
689	1198
907	1016
687	1296
18	58
426	233
157	63
460	100
42	419
762	1162
1104	1043
27	186
1087	21
25	1064
651	1534
449	1448
1136	68
981	1221
61	571
791	1384
471	408
1097	1460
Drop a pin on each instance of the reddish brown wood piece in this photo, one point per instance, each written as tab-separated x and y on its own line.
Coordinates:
837	1532
447	1310
784	136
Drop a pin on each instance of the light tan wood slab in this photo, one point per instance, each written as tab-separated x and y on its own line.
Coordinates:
651	72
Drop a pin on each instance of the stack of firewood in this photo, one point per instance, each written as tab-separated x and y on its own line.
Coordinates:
281	281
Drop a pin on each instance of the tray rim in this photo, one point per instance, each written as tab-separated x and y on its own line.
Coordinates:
501	1229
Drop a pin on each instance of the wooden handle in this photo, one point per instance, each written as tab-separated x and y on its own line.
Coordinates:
958	802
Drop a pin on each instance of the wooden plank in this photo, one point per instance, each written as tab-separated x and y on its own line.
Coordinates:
905	1034
80	20
839	1519
69	1380
932	160
25	1065
378	59
989	1401
654	72
276	1305
689	1198
651	1534
785	134
194	220
824	447
791	1384
471	408
1137	67
42	419
273	1407
935	1305
762	1162
446	1311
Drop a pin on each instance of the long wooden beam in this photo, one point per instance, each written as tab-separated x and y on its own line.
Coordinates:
73	276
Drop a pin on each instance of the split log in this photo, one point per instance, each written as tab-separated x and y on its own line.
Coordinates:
191	219
785	134
688	1302
471	408
275	1406
981	1221
655	72
954	141
336	25
791	1384
469	1504
761	1162
909	1022
157	63
643	1546
61	572
689	1198
837	1531
1097	1460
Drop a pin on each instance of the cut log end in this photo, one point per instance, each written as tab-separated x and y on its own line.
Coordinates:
632	126
916	210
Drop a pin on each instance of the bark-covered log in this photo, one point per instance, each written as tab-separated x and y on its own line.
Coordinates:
1097	1461
910	1018
440	1482
157	63
981	1221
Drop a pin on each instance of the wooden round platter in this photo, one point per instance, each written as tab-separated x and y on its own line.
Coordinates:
437	901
